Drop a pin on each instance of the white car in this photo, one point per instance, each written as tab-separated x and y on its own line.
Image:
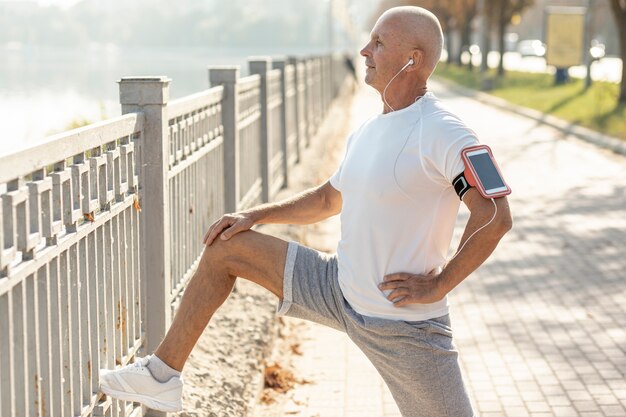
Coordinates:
533	47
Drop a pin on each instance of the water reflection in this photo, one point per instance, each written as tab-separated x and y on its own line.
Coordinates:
44	89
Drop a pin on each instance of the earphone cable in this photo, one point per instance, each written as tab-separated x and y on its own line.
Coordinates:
481	228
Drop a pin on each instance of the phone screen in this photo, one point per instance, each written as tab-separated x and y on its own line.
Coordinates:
486	171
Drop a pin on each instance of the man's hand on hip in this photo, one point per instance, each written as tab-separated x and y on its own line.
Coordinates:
409	288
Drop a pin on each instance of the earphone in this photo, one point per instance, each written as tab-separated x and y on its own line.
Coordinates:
411	62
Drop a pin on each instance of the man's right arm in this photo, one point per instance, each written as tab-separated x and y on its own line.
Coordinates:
309	206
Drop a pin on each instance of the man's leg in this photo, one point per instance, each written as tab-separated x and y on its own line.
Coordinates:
252	255
154	381
418	361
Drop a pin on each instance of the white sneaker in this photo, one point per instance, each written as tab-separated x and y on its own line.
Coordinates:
134	382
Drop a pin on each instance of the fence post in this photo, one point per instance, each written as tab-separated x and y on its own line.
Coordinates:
331	76
227	77
304	116
297	100
310	119
329	80
324	71
280	63
261	65
317	71
150	95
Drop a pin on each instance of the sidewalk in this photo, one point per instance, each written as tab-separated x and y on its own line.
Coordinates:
540	326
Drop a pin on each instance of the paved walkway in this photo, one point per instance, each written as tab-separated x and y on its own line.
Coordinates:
541	326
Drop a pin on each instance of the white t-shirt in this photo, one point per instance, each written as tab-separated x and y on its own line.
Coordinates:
399	206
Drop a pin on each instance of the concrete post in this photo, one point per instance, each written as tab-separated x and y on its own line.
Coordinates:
322	75
228	77
310	100
150	95
329	81
299	96
261	65
319	91
280	64
306	113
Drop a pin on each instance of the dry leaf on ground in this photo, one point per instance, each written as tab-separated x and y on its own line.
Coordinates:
295	349
281	380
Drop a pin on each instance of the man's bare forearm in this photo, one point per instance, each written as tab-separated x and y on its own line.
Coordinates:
477	250
306	207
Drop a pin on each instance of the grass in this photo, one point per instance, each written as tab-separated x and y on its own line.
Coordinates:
595	108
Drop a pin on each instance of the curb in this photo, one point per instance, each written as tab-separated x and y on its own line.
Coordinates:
569	128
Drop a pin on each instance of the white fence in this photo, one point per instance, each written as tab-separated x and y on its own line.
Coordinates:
102	226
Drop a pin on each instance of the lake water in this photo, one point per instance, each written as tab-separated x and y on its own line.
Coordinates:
43	90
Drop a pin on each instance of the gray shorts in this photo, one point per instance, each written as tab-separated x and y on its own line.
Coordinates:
417	360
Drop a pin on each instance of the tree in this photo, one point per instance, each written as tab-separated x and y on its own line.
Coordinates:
464	12
506	10
619	11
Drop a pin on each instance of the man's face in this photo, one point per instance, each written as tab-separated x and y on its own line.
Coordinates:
383	54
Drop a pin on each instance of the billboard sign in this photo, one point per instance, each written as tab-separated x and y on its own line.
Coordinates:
565	36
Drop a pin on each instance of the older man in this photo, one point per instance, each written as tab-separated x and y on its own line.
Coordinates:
386	286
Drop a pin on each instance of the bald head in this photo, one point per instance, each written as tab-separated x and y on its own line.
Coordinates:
417	28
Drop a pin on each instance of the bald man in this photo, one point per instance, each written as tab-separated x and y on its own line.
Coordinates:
386	286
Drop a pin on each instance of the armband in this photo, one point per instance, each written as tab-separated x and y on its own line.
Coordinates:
460	184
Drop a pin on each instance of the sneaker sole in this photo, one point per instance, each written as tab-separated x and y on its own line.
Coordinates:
145	400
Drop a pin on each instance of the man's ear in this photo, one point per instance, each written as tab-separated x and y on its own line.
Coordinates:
418	59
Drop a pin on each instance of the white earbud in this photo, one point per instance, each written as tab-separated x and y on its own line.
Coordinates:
411	61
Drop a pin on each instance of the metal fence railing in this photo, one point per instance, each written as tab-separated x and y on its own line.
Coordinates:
101	226
70	288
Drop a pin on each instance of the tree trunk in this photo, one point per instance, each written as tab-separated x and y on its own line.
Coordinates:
489	41
465	40
485	47
502	24
622	43
459	51
619	12
449	44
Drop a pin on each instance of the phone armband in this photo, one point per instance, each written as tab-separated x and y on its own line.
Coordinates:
482	172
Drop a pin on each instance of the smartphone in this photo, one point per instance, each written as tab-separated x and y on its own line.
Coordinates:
482	172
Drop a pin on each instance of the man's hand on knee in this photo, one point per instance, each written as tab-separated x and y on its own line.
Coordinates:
227	226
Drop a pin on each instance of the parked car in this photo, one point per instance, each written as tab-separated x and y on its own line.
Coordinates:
531	47
597	50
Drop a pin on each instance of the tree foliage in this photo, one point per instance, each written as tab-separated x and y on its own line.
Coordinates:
501	13
457	16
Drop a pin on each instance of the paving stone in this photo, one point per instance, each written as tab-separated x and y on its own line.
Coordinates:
516	412
560	411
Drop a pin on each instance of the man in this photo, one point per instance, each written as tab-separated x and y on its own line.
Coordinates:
386	286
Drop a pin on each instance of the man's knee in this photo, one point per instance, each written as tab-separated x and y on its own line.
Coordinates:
251	255
230	251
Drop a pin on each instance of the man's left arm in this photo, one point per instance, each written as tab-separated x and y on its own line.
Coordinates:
410	288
